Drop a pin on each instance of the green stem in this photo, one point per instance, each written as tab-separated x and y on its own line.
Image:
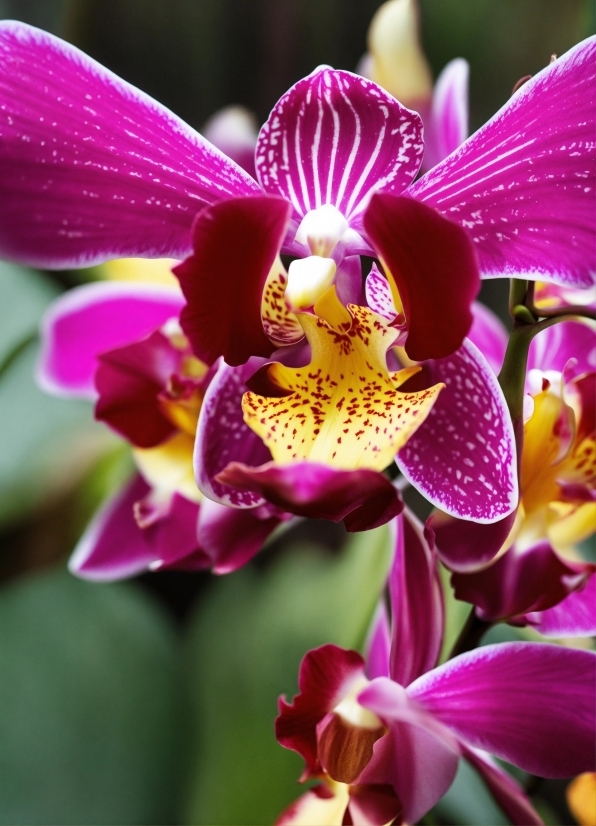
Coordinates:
16	351
470	635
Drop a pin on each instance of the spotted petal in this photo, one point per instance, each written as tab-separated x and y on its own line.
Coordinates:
523	185
344	409
334	138
463	457
90	167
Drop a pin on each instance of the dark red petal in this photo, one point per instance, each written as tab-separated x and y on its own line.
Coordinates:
433	263
235	243
463	545
364	499
325	675
129	381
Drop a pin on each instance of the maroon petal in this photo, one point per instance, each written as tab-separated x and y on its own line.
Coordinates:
520	581
373	804
325	677
463	545
170	529
433	263
129	381
575	616
234	246
364	499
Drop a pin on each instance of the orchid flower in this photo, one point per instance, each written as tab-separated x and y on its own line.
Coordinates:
385	734
119	344
396	62
93	169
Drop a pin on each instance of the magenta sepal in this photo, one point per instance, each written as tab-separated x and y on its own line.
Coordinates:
575	616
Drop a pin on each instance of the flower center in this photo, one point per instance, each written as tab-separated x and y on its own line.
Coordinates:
321	229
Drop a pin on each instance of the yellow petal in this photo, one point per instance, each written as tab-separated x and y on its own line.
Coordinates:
581	798
398	63
168	467
310	810
153	270
569	524
279	324
344	408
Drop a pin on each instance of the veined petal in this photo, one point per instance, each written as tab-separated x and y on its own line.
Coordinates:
344	408
489	335
432	263
447	127
463	458
92	319
520	581
90	167
378	644
364	499
416	599
224	437
113	546
334	138
235	244
325	678
529	703
507	793
552	348
523	185
575	616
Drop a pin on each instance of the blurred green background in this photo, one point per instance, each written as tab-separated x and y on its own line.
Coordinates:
153	701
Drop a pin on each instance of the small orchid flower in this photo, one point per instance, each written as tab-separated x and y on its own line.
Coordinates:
385	735
119	344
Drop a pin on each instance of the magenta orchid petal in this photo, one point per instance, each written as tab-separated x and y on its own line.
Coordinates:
235	243
466	546
94	318
378	294
575	616
230	537
113	546
508	794
373	804
418	756
129	381
416	597
348	281
553	348
448	126
169	527
529	703
523	185
334	138
463	456
520	581
224	437
433	264
488	333
378	645
325	677
92	168
364	499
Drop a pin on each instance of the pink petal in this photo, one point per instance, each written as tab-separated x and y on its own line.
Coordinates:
129	380
416	597
235	243
364	499
529	703
434	267
334	138
224	437
113	546
488	333
552	348
378	645
378	294
447	127
348	281
520	581
463	456
92	168
575	616
523	185
507	793
230	537
170	529
92	319
418	756
325	676
373	805
466	546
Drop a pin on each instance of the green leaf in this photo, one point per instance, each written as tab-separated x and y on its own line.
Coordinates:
244	650
89	691
468	801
